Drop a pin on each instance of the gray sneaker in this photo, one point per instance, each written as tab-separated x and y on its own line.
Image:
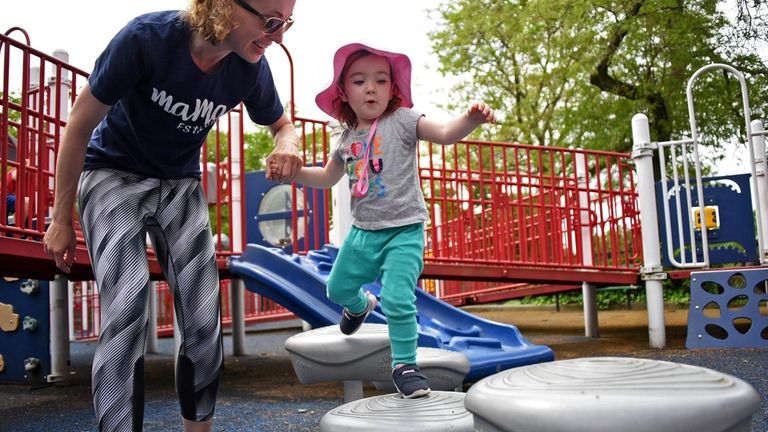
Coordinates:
350	323
410	382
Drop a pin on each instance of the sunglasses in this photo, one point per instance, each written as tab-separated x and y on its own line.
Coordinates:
272	25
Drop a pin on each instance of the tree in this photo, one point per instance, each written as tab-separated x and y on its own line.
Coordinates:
574	72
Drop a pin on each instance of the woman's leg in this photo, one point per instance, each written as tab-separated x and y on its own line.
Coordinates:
112	205
181	236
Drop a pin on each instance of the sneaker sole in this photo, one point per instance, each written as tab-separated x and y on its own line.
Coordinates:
417	394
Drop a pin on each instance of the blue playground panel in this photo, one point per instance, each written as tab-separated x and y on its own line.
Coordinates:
298	284
25	343
715	326
734	240
258	187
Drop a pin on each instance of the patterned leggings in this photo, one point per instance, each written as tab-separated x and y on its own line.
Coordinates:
117	211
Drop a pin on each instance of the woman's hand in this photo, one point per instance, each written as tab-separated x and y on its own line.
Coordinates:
283	164
285	161
59	242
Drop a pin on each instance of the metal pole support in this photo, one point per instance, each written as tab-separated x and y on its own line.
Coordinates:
59	312
237	299
642	155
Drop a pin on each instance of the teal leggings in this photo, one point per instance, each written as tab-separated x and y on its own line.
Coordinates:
396	255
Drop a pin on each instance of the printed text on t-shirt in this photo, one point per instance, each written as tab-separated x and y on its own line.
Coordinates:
203	109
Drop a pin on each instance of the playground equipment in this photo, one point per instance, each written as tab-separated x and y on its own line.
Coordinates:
694	217
597	394
24	330
576	223
436	412
325	354
725	310
606	394
298	283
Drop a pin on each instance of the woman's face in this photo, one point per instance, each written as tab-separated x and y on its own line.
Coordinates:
249	39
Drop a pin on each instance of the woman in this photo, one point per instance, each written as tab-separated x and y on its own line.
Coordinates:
133	140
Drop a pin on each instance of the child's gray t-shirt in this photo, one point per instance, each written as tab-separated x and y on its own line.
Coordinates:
394	195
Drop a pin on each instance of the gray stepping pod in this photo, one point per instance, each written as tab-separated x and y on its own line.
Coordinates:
608	394
325	354
436	412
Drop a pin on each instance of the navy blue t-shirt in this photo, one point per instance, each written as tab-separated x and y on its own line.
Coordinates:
163	105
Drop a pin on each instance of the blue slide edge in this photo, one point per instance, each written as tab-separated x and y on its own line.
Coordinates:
298	283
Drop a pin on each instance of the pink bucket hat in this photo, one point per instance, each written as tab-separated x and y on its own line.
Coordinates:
329	100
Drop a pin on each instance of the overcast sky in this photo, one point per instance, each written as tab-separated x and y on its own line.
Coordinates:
84	27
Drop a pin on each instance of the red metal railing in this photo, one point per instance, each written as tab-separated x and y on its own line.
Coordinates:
516	204
85	309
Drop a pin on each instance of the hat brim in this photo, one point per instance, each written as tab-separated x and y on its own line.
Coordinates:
329	100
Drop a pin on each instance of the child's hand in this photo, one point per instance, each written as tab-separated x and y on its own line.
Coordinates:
480	112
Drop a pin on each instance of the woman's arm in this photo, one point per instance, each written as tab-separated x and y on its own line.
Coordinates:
59	241
457	128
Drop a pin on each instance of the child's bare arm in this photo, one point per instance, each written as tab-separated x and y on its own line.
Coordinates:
457	128
321	177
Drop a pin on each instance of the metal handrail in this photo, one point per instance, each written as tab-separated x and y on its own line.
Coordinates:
694	139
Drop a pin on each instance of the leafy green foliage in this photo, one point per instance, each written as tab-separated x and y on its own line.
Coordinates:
574	72
13	115
675	292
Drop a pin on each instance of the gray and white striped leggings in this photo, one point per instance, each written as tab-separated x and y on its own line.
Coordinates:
117	210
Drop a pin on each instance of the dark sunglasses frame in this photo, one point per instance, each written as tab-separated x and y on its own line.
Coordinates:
279	23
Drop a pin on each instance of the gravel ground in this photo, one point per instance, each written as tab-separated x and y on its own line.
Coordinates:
259	391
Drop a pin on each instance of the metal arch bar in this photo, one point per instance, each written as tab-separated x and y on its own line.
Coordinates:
748	128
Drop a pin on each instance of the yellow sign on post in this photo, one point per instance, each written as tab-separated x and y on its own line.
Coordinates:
711	217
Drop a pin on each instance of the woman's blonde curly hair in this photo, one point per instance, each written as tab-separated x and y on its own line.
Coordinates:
211	18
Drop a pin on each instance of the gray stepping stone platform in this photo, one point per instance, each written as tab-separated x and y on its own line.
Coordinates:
437	412
608	394
325	354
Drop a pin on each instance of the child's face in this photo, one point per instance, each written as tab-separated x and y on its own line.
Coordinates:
368	88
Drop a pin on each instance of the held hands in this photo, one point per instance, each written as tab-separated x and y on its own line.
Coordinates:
283	164
480	112
59	242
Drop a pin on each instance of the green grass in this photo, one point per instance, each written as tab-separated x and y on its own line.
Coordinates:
675	292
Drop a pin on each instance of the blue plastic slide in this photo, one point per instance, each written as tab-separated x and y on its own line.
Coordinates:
298	284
